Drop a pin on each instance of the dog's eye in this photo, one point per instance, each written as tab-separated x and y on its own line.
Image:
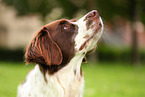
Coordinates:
66	27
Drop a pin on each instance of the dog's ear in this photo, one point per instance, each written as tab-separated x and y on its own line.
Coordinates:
43	50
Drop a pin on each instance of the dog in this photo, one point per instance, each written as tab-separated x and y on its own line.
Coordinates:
58	50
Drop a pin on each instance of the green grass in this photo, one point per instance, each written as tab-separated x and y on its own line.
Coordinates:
114	80
102	80
11	75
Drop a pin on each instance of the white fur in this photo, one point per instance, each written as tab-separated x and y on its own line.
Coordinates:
67	82
64	83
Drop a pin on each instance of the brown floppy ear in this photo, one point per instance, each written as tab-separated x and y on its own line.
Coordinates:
43	50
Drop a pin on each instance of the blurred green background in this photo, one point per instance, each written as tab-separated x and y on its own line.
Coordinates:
116	69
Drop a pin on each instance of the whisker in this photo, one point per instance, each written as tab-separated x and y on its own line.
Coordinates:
110	39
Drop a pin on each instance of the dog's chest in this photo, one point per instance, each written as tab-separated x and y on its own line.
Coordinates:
65	83
71	82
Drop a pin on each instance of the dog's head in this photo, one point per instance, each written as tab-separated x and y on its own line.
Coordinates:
57	42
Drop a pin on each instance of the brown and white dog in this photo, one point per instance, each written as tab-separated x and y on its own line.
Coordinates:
58	50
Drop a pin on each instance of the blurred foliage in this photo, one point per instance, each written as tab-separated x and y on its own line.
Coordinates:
24	7
111	54
122	8
107	8
104	53
11	55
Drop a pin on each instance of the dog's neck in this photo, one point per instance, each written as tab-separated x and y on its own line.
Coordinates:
75	63
73	66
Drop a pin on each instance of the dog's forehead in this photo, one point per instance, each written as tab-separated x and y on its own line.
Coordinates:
52	24
56	23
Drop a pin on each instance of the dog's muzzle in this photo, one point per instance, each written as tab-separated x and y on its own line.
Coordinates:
93	20
90	29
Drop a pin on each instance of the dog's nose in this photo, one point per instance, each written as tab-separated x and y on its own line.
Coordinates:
93	14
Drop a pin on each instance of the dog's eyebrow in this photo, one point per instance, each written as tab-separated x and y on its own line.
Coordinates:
75	23
64	22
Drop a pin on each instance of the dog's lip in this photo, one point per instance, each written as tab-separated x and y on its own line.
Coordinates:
100	24
85	43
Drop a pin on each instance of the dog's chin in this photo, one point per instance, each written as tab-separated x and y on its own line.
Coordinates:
97	29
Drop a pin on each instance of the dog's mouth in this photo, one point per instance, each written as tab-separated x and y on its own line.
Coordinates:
95	25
